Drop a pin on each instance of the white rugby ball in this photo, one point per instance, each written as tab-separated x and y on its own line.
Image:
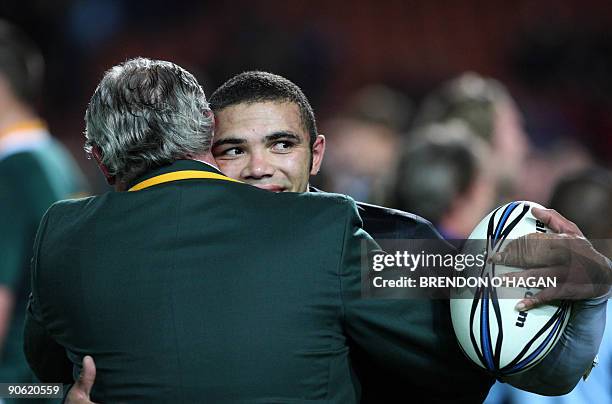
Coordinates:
491	332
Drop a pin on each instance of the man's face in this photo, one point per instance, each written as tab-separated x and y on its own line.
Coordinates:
265	144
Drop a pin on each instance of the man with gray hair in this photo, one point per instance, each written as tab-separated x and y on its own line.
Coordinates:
191	286
159	107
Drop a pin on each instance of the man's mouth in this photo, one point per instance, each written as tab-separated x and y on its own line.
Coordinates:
271	187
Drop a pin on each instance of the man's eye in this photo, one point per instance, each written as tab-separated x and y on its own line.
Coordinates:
234	151
282	146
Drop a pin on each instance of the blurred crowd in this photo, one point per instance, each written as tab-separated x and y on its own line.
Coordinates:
450	155
465	152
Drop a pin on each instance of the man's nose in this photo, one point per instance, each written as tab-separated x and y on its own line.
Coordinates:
258	167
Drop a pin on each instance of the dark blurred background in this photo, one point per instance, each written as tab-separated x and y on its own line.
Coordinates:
377	74
554	56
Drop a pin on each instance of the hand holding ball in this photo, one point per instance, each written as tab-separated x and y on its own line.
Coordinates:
489	328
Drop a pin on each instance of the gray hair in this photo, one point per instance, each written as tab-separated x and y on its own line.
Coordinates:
144	114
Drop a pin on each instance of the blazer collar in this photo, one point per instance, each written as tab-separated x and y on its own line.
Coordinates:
178	165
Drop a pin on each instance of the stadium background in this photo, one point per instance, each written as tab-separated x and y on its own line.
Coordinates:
554	56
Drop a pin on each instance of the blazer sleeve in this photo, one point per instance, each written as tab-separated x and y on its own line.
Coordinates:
381	329
47	359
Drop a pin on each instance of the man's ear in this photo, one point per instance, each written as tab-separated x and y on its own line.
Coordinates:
318	150
96	152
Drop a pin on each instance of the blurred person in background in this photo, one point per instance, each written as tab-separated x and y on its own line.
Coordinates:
35	171
371	120
585	197
486	106
443	175
546	166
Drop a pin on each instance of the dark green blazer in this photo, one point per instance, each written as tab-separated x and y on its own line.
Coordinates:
203	290
419	352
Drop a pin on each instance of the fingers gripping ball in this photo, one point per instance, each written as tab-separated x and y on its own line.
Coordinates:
489	328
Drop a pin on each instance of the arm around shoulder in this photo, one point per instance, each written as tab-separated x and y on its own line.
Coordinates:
561	370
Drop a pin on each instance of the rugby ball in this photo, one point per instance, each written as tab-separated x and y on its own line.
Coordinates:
490	331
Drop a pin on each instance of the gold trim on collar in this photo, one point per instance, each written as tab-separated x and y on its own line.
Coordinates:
179	175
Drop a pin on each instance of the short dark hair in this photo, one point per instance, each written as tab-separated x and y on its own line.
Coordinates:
440	164
21	63
256	86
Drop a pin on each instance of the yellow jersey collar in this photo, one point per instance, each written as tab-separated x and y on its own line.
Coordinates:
177	176
177	171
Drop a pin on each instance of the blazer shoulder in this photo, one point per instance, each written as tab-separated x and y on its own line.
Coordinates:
75	204
325	200
68	209
383	221
392	214
330	197
387	223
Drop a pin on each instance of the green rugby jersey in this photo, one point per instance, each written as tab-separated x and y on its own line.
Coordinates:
35	171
